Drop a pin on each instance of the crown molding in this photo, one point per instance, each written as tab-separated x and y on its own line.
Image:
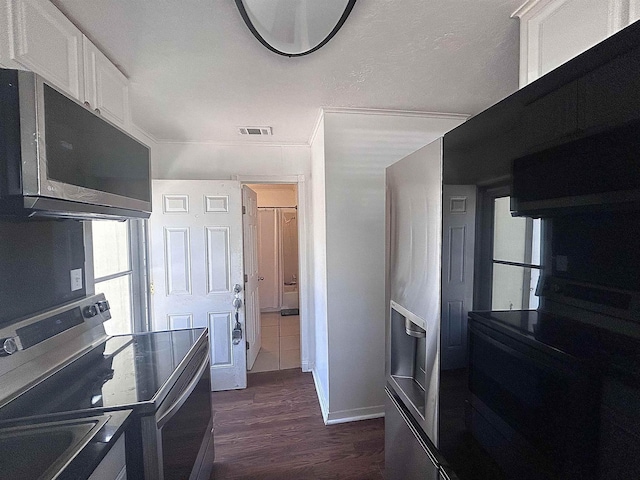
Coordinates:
395	113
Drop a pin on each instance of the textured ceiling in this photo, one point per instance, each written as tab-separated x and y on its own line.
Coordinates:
197	73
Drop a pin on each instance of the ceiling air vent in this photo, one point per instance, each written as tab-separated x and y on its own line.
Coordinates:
255	131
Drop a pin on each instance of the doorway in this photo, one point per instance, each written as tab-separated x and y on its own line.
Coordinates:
279	276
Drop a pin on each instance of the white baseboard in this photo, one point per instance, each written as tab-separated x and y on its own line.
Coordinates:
322	399
306	366
354	415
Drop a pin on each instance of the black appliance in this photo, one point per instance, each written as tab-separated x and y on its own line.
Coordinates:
61	363
541	392
60	158
531	404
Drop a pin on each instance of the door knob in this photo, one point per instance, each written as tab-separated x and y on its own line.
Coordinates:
260	278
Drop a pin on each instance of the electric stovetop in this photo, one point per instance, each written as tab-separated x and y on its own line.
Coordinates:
125	371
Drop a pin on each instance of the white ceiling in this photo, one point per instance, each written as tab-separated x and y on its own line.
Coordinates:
197	72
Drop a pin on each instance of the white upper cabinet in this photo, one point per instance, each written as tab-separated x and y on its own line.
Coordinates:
43	40
36	36
106	88
554	31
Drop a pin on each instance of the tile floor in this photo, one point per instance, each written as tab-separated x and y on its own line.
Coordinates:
280	343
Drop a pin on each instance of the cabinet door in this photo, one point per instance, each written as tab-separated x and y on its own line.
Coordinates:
609	94
554	31
106	88
5	35
46	42
551	117
113	464
619	429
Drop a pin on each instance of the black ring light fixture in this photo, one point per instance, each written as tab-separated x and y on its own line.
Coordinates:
290	5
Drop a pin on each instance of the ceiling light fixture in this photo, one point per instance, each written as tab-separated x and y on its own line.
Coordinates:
294	28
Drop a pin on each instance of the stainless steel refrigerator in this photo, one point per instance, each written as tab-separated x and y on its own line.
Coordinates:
429	264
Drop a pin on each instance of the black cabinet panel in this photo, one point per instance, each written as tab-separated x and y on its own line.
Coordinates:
551	117
595	91
619	430
610	95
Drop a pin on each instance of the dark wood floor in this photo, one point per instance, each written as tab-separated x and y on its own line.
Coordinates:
274	430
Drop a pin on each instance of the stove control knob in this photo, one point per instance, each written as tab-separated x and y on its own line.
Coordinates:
103	305
90	311
8	346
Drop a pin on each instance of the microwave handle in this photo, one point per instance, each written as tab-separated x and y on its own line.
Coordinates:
166	416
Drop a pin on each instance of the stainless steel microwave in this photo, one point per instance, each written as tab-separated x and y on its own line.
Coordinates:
60	158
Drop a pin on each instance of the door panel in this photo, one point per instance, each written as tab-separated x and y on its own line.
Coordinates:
46	42
268	259
251	297
414	223
196	259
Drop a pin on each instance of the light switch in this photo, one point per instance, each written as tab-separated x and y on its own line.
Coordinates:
76	279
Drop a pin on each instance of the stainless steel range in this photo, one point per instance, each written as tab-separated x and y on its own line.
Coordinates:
62	361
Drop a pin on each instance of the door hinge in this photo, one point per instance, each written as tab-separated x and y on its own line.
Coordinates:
244	209
247	345
246	279
152	289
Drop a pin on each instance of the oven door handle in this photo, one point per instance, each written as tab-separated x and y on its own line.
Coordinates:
166	416
539	359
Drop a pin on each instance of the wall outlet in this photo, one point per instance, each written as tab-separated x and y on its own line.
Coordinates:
76	279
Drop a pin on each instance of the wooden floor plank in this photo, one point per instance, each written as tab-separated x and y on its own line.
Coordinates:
274	430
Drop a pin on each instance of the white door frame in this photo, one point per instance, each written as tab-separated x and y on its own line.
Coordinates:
306	348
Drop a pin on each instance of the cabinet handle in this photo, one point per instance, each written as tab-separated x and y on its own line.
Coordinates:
98	111
87	104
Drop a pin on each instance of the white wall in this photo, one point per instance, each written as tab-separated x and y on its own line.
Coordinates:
358	146
318	270
344	263
197	161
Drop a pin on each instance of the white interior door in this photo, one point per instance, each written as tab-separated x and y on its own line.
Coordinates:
251	295
196	259
268	259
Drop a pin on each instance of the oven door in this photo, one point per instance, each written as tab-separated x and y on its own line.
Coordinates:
178	440
531	411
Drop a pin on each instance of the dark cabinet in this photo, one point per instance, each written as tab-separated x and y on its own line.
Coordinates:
550	118
619	430
610	94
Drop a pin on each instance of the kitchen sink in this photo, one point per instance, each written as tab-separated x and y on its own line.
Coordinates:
42	451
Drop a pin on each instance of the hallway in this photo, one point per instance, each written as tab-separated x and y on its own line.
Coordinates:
273	430
280	348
